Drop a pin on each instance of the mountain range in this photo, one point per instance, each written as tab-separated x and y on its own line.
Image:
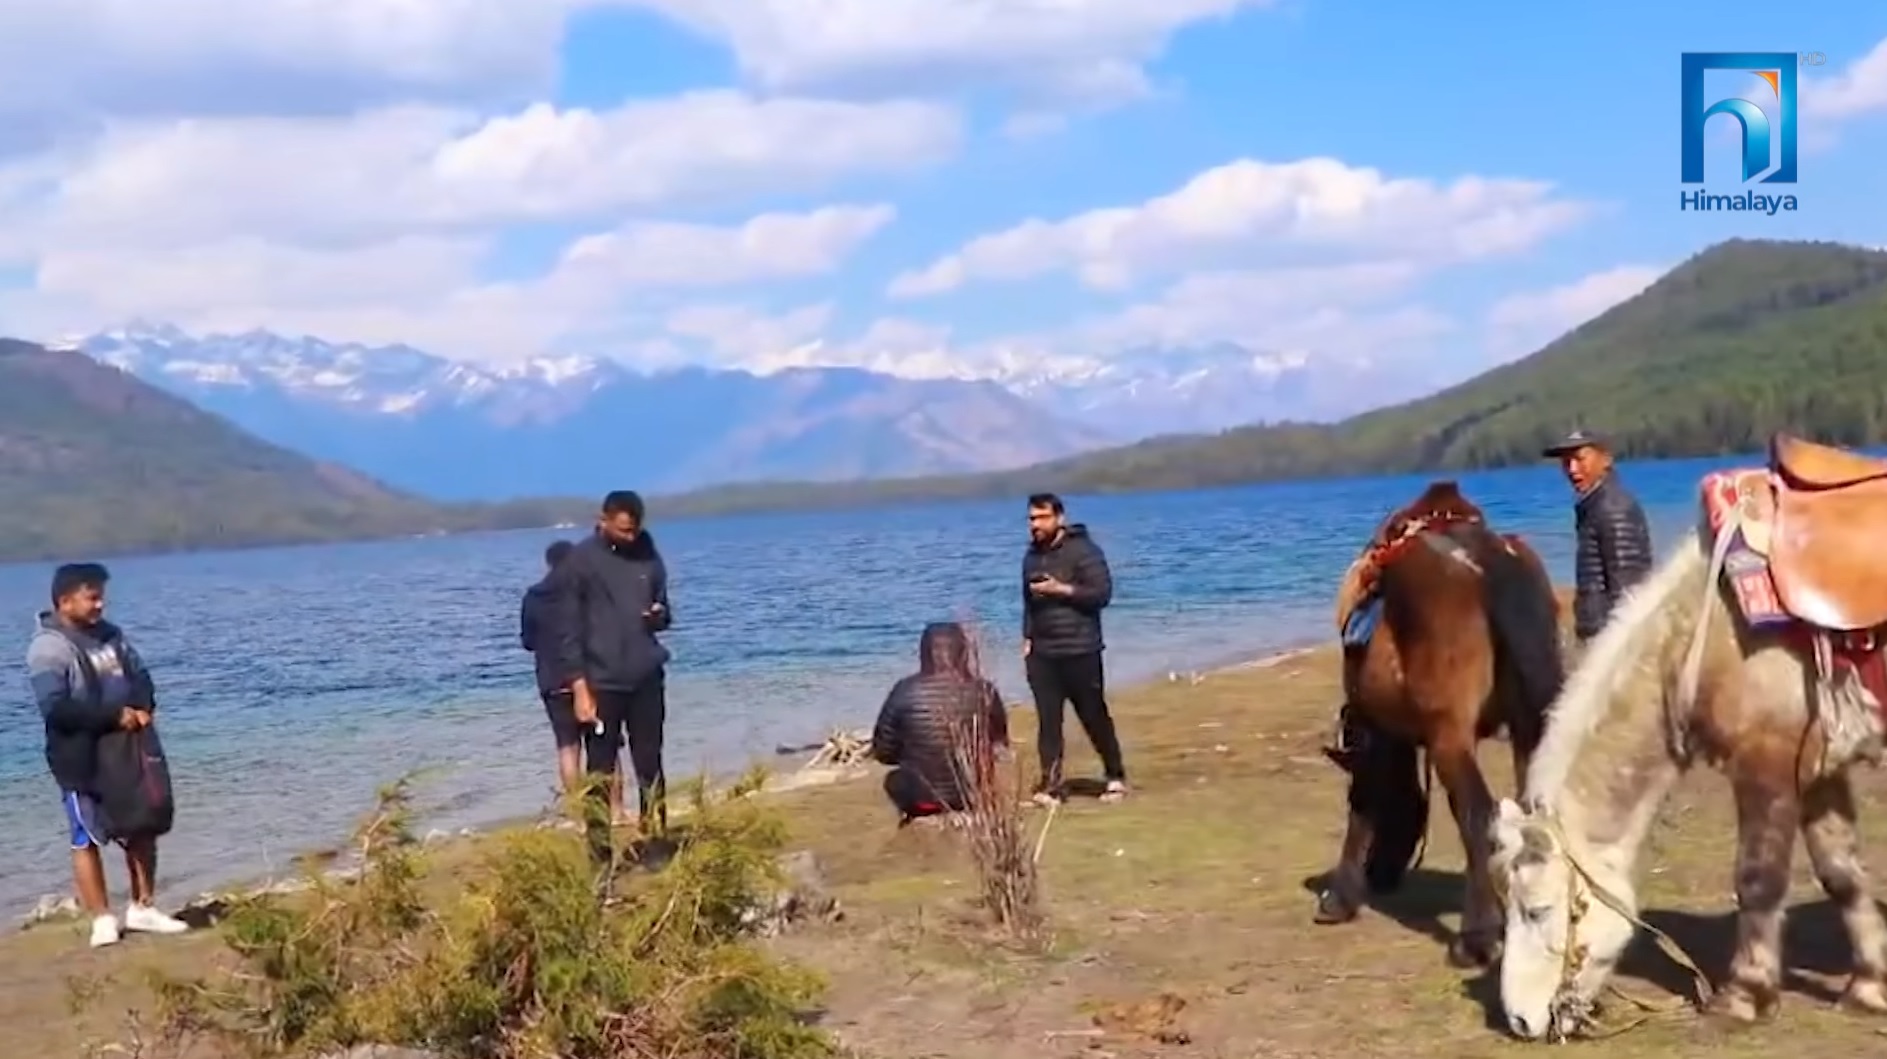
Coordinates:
1745	338
574	425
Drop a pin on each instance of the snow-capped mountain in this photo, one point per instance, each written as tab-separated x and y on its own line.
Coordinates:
455	430
388	380
1162	390
578	426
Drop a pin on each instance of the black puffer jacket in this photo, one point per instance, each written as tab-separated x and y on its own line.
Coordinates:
927	712
1613	553
1065	626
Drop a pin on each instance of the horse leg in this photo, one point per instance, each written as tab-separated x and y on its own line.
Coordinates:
1342	897
1473	804
1834	849
1523	760
1768	814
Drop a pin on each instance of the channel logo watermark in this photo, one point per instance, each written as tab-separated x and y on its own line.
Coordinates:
1768	147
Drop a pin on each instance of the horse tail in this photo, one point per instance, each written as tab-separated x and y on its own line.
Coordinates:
1523	616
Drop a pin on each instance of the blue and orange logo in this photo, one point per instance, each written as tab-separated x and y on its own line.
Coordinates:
1767	148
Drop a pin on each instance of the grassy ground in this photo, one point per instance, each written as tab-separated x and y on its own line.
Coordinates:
1181	915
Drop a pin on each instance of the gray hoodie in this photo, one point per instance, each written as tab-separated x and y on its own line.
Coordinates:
83	679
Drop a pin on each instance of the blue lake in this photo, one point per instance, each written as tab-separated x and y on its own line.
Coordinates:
294	681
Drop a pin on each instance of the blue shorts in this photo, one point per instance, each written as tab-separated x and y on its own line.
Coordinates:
82	820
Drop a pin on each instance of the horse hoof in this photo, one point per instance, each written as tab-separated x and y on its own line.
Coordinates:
1333	909
1473	953
1742	1007
1865	995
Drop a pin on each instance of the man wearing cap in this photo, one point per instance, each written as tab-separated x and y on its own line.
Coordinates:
1612	541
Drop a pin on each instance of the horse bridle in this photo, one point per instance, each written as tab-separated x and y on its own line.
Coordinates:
1566	1005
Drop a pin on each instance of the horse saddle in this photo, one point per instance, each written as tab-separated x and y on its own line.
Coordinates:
1828	544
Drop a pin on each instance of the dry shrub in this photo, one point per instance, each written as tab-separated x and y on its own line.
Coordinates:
993	824
523	960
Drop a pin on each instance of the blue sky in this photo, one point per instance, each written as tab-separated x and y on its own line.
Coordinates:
805	181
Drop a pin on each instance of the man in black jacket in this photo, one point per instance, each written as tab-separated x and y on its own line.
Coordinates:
1612	539
1065	586
537	633
611	596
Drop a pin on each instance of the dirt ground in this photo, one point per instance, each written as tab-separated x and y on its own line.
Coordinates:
1181	917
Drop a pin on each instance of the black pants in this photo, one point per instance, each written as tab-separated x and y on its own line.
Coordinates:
1079	680
637	717
912	796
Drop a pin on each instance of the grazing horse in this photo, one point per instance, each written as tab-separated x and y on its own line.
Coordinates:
1753	648
1451	633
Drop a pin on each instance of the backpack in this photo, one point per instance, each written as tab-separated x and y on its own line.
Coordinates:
130	774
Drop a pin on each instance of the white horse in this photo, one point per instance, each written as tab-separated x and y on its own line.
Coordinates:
1653	693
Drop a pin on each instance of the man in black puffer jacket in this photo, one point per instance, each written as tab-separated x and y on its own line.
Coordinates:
1065	586
1612	539
930	718
610	598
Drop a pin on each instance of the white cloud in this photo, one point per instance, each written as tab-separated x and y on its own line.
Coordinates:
357	170
1859	89
407	170
1061	51
426	291
1240	306
85	57
770	246
1521	323
740	335
1334	317
1249	210
179	57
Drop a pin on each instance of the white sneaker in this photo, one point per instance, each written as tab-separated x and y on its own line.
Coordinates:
147	920
104	931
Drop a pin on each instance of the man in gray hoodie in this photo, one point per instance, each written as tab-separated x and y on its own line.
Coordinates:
89	683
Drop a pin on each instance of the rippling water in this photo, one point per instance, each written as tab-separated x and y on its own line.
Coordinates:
294	681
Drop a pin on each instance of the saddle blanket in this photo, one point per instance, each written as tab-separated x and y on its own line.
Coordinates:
1740	500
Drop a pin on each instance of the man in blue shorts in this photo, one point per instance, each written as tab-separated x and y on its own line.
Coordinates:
89	682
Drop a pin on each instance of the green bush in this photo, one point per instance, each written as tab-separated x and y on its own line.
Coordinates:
530	956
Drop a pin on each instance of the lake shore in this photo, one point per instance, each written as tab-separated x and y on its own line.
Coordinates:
1191	900
50	909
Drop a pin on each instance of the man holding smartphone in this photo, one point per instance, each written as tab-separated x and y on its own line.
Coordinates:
1065	586
611	599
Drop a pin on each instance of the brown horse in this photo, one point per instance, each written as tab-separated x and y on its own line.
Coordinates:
1451	633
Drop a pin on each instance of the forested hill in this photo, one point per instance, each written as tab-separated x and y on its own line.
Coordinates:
1745	338
94	462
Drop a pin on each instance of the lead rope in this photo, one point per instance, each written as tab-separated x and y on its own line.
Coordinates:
1573	956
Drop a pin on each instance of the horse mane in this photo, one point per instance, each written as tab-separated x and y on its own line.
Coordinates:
1620	676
